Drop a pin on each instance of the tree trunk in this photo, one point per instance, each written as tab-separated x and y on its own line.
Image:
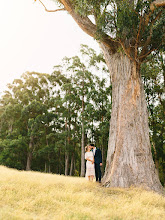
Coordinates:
45	168
66	163
129	159
156	158
59	161
71	165
29	155
83	141
66	152
49	170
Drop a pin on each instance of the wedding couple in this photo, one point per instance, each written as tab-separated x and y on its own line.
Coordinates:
93	158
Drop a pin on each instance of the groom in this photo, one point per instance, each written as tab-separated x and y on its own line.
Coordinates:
98	162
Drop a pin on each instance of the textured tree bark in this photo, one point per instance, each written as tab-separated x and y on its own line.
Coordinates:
129	159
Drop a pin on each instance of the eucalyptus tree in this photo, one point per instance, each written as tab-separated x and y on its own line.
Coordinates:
63	83
10	111
82	83
12	143
35	89
127	31
25	105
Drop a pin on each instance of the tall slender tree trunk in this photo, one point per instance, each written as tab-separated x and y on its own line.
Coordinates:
59	161
129	159
29	155
83	140
47	144
45	168
49	163
66	150
66	163
71	165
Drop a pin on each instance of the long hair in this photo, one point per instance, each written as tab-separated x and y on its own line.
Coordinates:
86	148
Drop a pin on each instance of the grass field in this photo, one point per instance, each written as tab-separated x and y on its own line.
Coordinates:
34	195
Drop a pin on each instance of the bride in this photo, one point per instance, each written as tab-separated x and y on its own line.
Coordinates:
90	170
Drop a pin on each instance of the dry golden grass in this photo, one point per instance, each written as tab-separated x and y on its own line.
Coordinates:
34	195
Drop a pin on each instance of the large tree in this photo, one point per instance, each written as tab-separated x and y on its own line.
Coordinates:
127	31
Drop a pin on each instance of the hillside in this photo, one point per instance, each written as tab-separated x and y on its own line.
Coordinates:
34	195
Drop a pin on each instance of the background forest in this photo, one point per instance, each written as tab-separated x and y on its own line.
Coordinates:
46	120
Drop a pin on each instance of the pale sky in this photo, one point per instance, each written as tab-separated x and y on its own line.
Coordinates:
32	39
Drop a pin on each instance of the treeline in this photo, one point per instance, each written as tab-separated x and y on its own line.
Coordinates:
46	120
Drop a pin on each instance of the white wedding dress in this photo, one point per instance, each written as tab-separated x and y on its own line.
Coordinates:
90	169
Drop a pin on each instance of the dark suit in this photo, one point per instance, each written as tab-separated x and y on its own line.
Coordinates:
98	160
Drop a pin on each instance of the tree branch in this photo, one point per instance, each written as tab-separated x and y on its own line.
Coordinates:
150	36
85	24
60	9
141	58
137	38
159	3
138	34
